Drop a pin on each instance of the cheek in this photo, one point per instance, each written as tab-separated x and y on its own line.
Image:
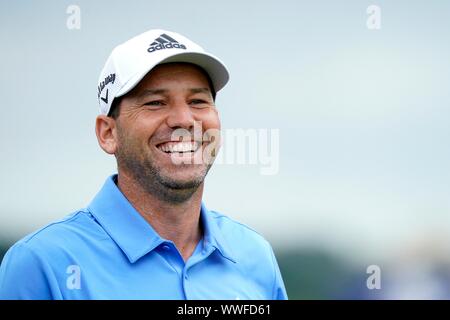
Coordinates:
211	130
211	120
126	140
146	127
138	132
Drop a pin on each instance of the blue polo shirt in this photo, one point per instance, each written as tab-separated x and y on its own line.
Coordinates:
109	251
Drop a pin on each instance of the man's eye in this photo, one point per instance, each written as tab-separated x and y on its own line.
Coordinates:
198	101
154	103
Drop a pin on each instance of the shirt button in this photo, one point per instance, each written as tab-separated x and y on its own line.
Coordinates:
166	247
186	276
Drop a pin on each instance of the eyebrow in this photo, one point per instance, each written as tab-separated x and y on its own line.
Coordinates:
149	92
200	90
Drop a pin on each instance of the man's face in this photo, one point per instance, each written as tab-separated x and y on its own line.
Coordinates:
171	97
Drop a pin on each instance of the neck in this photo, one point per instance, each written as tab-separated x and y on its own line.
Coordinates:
178	222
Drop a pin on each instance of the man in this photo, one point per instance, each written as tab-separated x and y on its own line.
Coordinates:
147	234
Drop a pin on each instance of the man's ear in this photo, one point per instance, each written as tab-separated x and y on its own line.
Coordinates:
106	131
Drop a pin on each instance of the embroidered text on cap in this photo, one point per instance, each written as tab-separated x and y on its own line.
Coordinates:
165	42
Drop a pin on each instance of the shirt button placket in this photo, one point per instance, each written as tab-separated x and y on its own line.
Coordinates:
186	284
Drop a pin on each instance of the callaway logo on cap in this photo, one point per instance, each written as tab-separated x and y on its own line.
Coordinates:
129	62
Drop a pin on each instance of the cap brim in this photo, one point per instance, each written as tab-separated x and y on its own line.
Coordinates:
215	68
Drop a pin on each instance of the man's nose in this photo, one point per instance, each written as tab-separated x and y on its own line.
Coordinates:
180	116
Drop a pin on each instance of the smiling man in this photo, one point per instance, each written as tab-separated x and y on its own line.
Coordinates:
147	234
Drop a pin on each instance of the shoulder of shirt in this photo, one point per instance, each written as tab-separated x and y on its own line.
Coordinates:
53	232
226	222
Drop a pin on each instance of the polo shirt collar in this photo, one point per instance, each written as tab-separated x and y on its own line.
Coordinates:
133	234
129	230
213	236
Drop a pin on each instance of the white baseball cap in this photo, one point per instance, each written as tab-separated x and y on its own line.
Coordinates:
130	61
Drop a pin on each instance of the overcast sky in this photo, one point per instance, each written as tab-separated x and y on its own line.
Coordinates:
363	115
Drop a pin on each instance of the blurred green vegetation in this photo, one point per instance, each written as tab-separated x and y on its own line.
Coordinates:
311	273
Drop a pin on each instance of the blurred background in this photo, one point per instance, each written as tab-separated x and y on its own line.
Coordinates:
362	112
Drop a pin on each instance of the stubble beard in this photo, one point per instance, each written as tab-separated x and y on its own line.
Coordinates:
139	164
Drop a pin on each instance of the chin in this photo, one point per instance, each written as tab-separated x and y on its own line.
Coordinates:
182	180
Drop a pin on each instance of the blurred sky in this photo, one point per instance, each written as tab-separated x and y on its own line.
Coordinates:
363	115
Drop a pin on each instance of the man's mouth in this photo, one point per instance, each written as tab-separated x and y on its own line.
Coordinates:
179	146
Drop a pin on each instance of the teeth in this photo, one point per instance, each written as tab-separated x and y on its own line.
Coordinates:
188	146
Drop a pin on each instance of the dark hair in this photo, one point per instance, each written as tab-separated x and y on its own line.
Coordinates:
114	111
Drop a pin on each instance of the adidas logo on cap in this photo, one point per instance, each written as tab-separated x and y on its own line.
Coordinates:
165	42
